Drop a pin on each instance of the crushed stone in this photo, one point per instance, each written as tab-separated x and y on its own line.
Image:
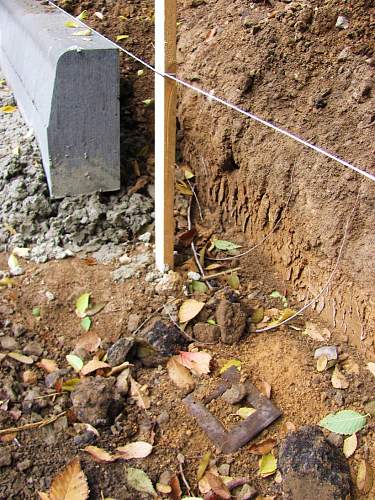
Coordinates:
54	229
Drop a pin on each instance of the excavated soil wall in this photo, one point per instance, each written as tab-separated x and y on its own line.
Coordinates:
290	63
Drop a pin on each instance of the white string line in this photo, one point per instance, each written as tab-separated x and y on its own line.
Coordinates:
312	301
230	105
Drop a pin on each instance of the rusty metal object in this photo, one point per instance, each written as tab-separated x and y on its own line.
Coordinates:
242	433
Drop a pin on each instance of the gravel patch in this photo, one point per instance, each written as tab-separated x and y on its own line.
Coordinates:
54	229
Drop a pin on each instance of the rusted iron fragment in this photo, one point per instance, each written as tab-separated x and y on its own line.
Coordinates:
231	441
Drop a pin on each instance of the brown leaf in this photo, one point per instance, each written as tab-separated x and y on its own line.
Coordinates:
70	484
89	341
197	362
187	237
217	485
365	477
138	449
48	365
339	380
263	447
189	309
99	455
176	492
142	400
94	365
180	375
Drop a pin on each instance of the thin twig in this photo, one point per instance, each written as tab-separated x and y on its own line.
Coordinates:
195	253
33	425
227	271
196	199
184	480
306	306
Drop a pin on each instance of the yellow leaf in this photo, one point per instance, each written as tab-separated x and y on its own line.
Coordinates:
189	309
267	465
121	37
233	281
245	412
322	363
286	314
83	33
365	477
350	445
8	109
231	362
188	173
83	15
203	464
9	282
71	24
70	484
184	188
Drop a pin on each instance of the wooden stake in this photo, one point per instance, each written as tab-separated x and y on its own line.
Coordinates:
165	131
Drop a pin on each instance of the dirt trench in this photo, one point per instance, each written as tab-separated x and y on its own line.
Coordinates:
290	64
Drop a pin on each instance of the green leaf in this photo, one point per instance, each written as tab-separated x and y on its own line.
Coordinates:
211	321
119	38
148	102
267	465
344	422
83	303
83	15
257	315
225	245
36	312
233	281
199	286
71	24
139	481
188	174
277	295
231	362
203	464
70	385
75	361
245	412
86	323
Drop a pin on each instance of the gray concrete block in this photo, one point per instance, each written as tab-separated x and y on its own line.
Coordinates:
67	88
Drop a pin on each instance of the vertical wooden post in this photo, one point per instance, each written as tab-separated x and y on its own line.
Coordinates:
165	131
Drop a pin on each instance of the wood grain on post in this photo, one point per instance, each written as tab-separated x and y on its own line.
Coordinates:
165	131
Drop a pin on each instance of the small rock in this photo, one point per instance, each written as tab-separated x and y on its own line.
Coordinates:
84	439
33	349
61	424
342	23
339	398
50	296
224	469
96	402
336	439
116	354
330	351
166	339
246	492
8	343
52	378
24	465
145	237
18	330
133	322
193	276
232	321
163	418
170	284
205	332
125	259
122	383
5	457
234	394
312	467
343	55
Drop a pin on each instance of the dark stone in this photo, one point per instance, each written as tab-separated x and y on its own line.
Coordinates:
204	332
96	402
84	439
166	339
313	468
116	354
232	321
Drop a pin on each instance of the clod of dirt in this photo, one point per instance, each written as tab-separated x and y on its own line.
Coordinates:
117	353
232	321
5	457
205	332
96	402
313	468
166	339
234	394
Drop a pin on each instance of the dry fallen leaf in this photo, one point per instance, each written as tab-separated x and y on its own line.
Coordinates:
70	484
27	360
365	477
203	464
266	389
197	362
138	449
93	366
339	380
350	366
350	445
316	333
99	455
48	365
89	341
180	375
189	309
263	447
217	485
136	392
245	412
321	363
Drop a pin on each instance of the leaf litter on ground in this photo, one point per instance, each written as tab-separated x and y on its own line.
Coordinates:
189	309
69	484
350	445
139	481
344	422
180	375
197	362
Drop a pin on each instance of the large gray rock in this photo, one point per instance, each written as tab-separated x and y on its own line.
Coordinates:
67	87
312	468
